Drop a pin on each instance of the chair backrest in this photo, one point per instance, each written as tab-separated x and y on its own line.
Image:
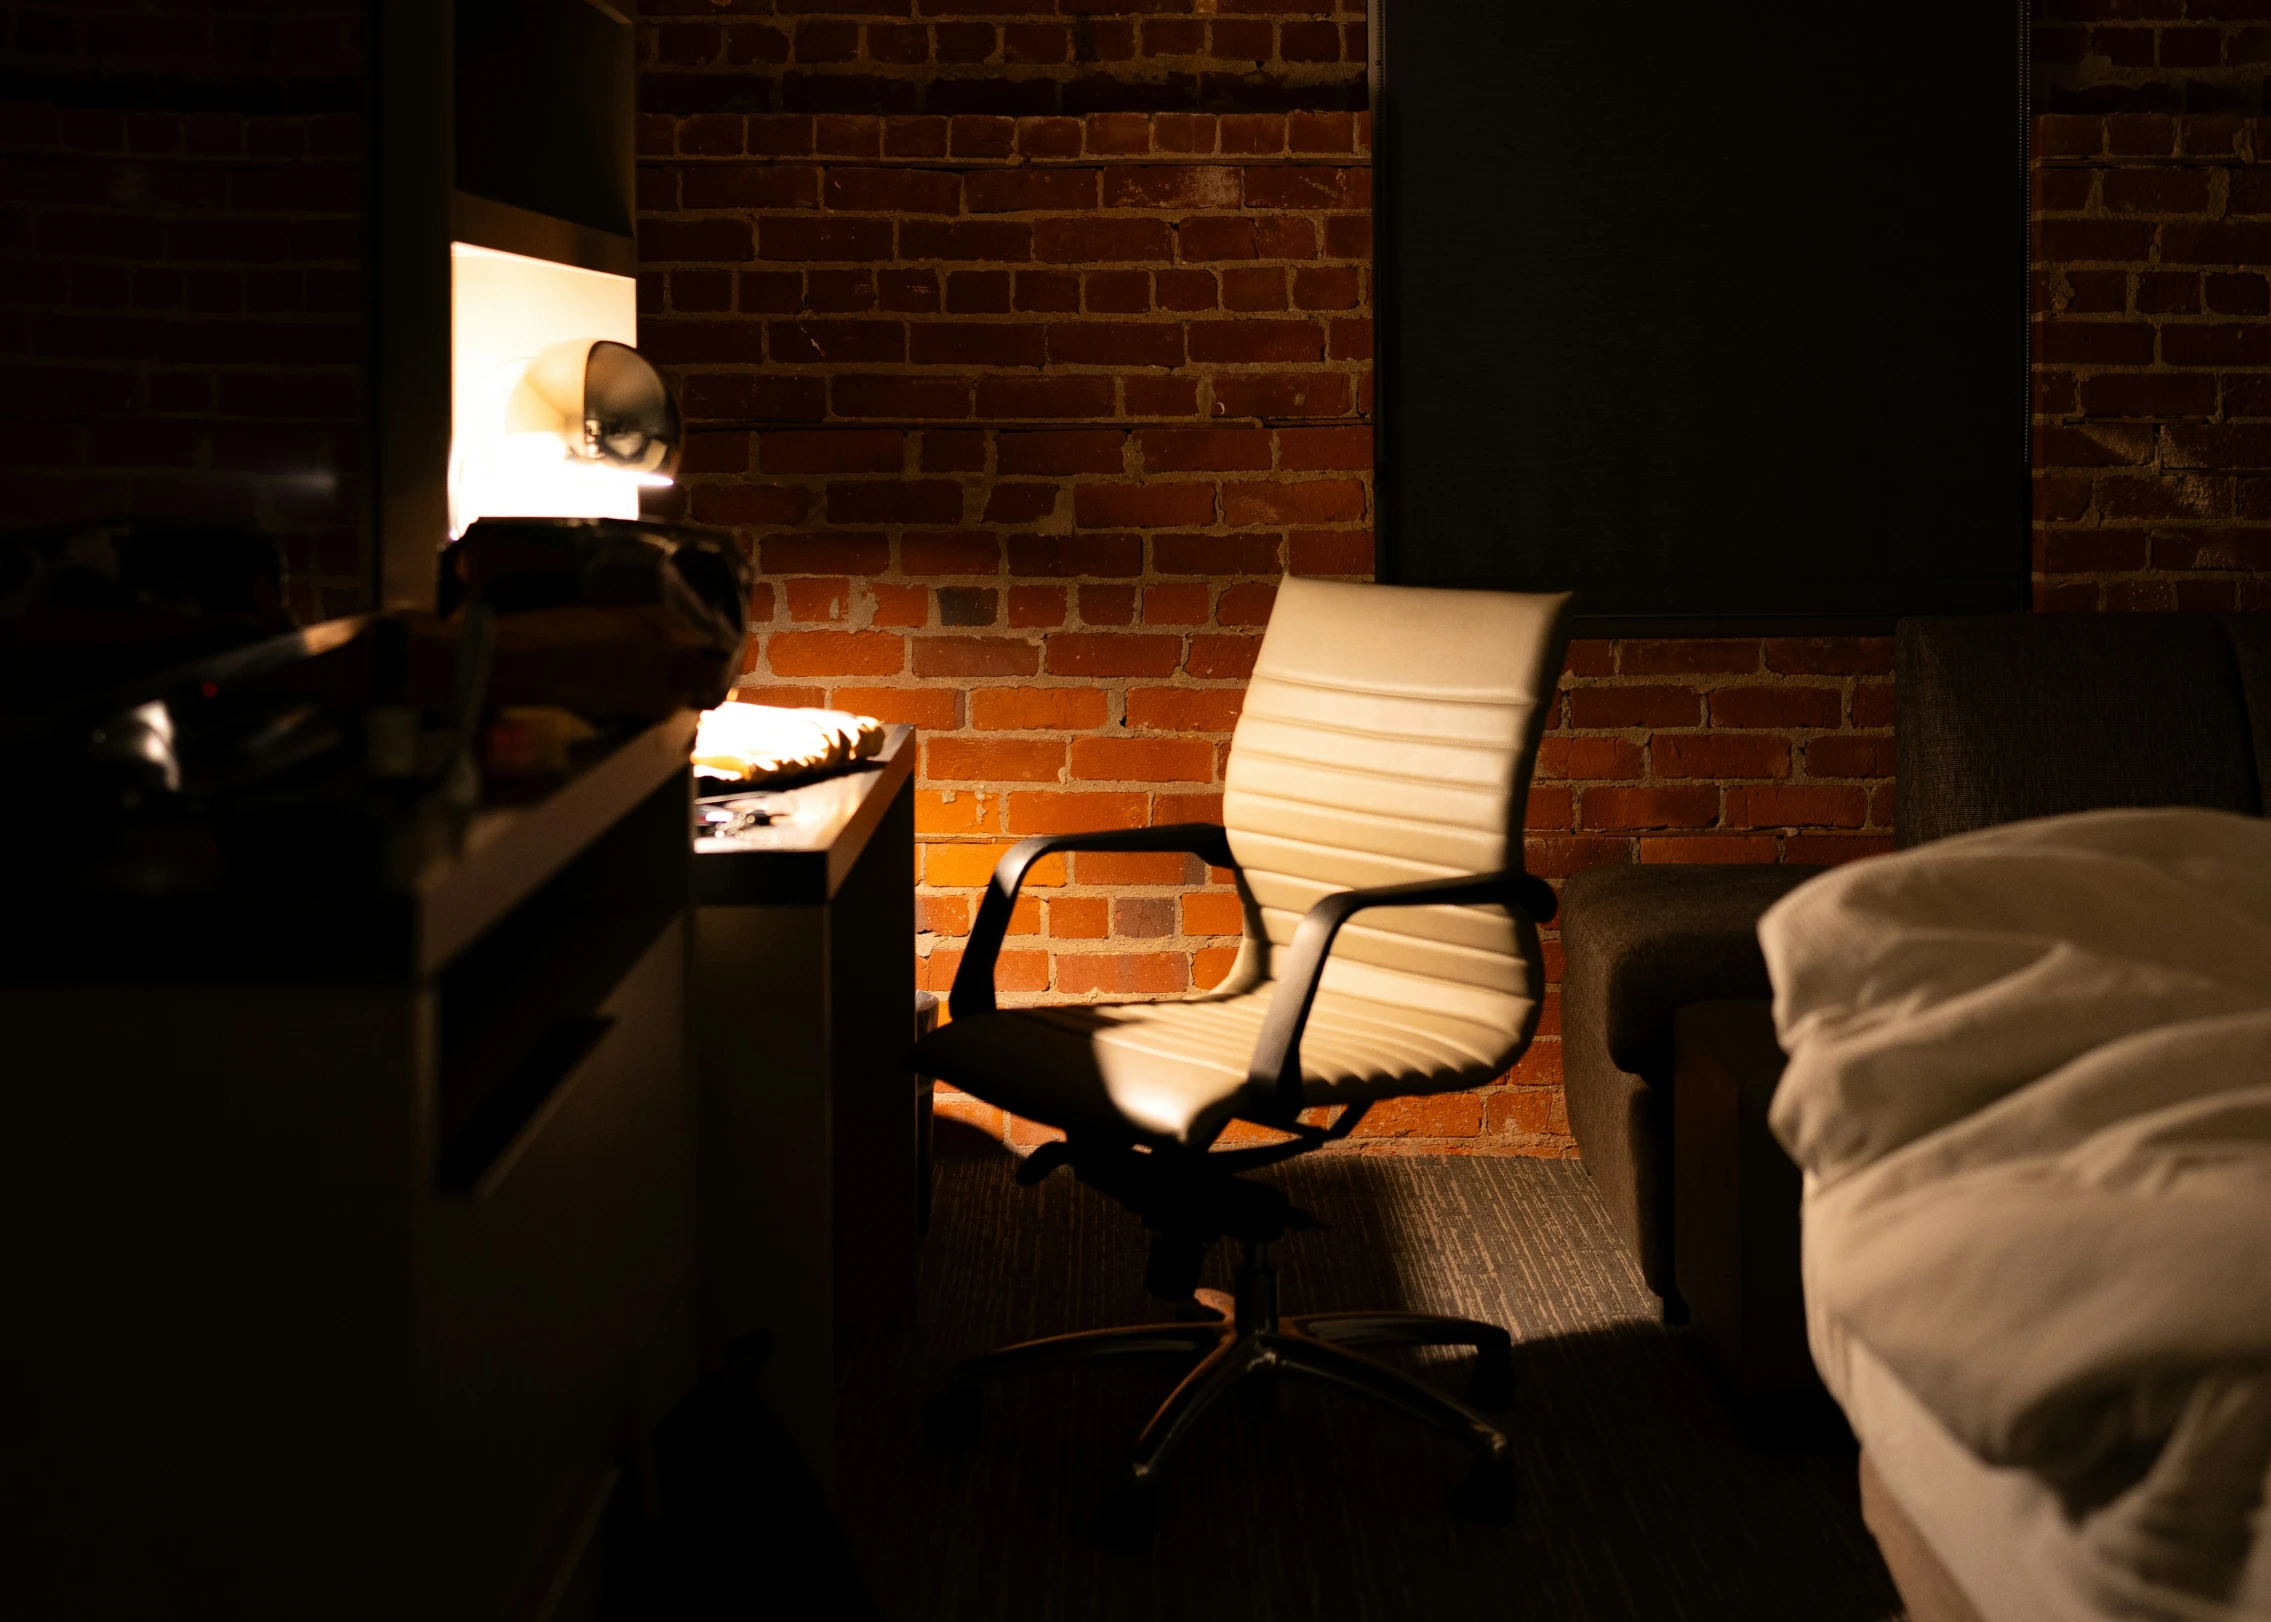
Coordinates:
1387	737
2004	717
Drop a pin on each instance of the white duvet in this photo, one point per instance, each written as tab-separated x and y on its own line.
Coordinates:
2030	1083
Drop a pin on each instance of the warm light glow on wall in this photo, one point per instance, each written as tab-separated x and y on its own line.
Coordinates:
509	445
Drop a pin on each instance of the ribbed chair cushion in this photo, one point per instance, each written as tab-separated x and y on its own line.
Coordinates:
1387	737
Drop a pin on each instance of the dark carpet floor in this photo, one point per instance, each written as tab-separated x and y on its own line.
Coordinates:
1640	1497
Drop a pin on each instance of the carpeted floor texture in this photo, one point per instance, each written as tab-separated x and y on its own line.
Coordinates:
1640	1497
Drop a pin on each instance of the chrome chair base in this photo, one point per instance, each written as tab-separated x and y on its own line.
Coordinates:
1242	1339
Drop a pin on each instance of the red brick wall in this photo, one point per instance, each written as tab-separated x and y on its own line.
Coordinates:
2152	235
181	330
1028	346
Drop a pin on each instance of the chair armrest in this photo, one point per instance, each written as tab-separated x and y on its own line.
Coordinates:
1273	1077
974	981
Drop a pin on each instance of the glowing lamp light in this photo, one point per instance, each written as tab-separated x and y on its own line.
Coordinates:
556	414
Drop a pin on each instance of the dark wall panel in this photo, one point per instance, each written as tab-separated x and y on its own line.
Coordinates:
1712	313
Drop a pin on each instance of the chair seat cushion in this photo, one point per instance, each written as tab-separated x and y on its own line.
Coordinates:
1173	1071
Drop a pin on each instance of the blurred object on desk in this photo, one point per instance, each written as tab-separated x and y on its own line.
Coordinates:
758	744
94	603
613	619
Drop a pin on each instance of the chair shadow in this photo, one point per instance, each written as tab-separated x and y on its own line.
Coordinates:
1639	1498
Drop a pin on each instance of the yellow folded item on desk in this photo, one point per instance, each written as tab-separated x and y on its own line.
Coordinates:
759	743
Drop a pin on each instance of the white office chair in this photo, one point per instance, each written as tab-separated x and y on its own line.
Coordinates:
1379	768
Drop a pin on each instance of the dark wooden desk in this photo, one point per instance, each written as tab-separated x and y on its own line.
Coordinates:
349	1279
804	1015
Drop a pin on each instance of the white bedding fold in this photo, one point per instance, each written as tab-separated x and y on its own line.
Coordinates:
2030	1079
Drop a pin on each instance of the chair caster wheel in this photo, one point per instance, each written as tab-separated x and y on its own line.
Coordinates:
951	1418
1493	1383
1489	1491
1127	1519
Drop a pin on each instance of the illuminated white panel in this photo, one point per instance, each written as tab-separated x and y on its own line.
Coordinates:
509	455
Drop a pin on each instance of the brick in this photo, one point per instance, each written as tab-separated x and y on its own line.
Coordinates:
1193	450
1036	607
972	343
1827	850
1036	811
1222	658
1077	241
832	451
942	914
1253	287
1030	190
879	395
1182	604
1257	133
1549	809
1184	709
835	653
1653	658
971	866
1107	605
1064	452
1775	707
1329	552
1065	556
1143	760
1257	341
954	451
1696	807
949	552
1215	554
1027	398
1213	912
1116	292
1312	501
1304	450
1000	241
1116	343
1282	394
1160	396
1105	653
975	656
1590	759
1019	760
1038	709
1086	917
817	600
1719	755
963	605
842	553
1849	756
1606	707
1423	1115
1717	849
902	501
1175	186
932	709
1043	290
1797	806
1148	506
788	237
751	504
1121	973
1136	867
1830	656
1247	603
1020	503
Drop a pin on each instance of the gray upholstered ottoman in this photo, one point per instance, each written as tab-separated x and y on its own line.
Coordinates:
1641	942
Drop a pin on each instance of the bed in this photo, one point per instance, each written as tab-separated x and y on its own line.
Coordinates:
2029	1084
